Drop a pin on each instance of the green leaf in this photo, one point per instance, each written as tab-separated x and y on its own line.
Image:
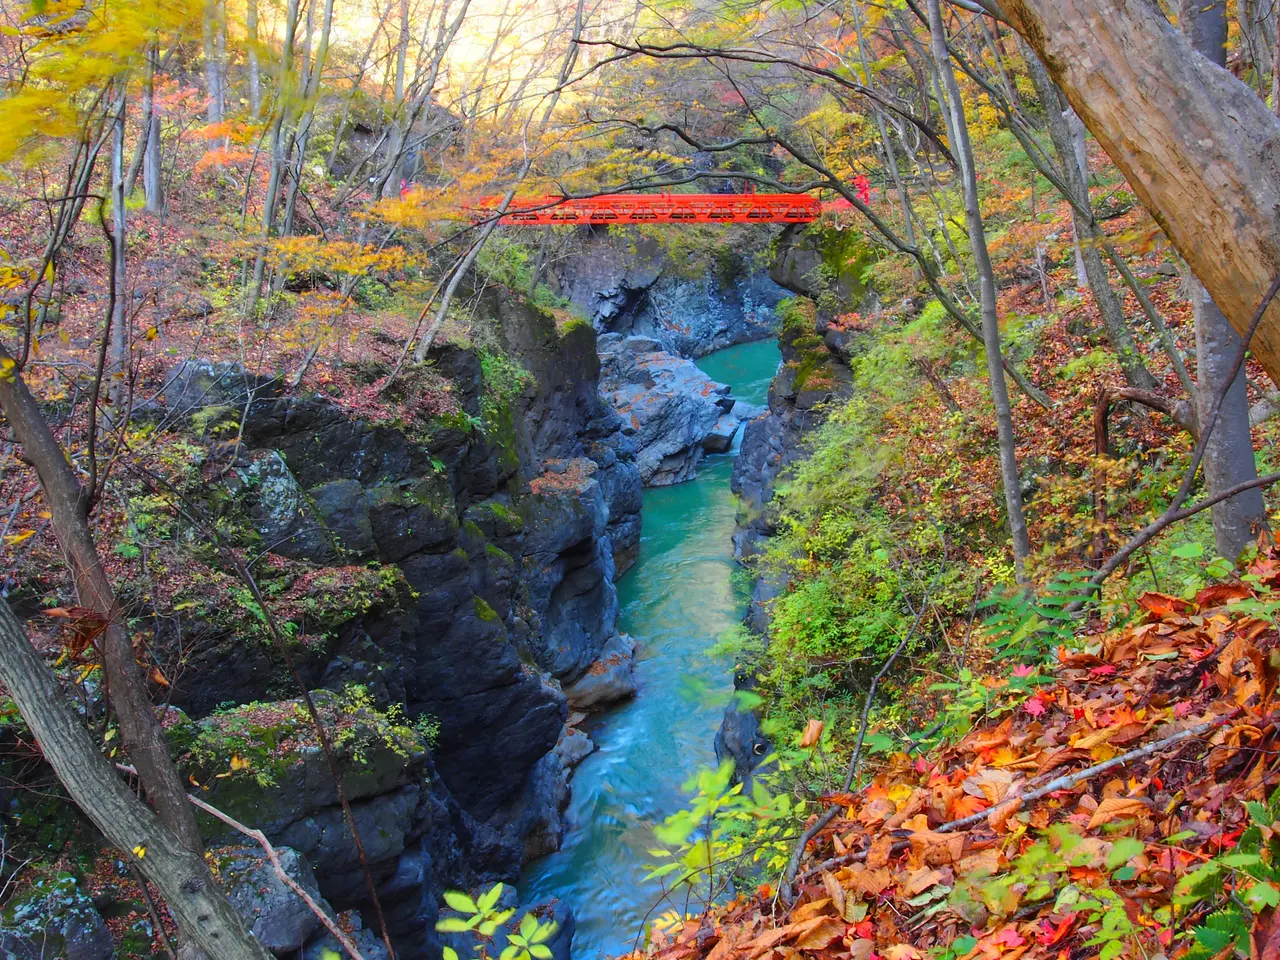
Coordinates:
327	954
1187	551
1123	849
453	925
962	945
528	925
541	951
1242	860
459	901
488	899
509	953
449	954
545	930
1262	895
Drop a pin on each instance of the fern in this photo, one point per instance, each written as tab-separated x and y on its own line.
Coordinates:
1031	627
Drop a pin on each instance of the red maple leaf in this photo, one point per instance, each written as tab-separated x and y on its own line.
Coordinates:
1009	936
1035	706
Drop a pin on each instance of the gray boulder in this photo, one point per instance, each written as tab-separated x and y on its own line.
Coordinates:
721	436
324	944
282	513
610	679
279	919
200	385
667	404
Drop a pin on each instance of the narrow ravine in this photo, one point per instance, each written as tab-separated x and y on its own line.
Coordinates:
676	600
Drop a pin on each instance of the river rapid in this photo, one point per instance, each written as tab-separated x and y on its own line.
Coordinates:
676	601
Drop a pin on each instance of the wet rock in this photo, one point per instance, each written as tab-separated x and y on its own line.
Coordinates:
610	679
668	405
720	438
574	746
54	919
740	739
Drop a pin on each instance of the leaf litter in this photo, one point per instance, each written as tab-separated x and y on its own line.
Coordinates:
1063	830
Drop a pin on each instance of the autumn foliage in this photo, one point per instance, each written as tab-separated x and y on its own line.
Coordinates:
1157	746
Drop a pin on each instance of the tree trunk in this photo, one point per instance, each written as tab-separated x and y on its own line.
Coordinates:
189	890
1097	276
1197	145
1228	456
119	368
68	503
1080	150
152	171
959	135
214	44
251	56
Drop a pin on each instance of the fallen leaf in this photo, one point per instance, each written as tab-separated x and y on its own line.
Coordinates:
812	733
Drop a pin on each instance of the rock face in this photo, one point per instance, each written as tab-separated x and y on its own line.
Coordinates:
637	293
671	410
507	537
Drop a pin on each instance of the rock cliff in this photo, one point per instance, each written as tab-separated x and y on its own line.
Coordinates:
449	576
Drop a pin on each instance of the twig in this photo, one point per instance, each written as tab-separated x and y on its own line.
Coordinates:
276	865
1071	779
152	911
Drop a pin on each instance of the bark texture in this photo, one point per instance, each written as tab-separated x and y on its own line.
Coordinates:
1228	454
1197	145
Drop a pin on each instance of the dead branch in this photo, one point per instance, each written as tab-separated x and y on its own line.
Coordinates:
261	839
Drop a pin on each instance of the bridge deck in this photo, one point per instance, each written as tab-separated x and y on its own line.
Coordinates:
661	208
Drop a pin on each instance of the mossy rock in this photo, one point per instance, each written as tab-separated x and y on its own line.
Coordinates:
496	519
798	316
483	610
54	919
263	763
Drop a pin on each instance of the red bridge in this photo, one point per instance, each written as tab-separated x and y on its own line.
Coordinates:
660	208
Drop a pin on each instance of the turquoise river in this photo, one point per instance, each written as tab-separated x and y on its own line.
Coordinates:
676	601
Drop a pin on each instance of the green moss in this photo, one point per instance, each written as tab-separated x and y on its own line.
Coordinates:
574	324
244	752
799	317
472	529
497	553
504	382
500	515
483	610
